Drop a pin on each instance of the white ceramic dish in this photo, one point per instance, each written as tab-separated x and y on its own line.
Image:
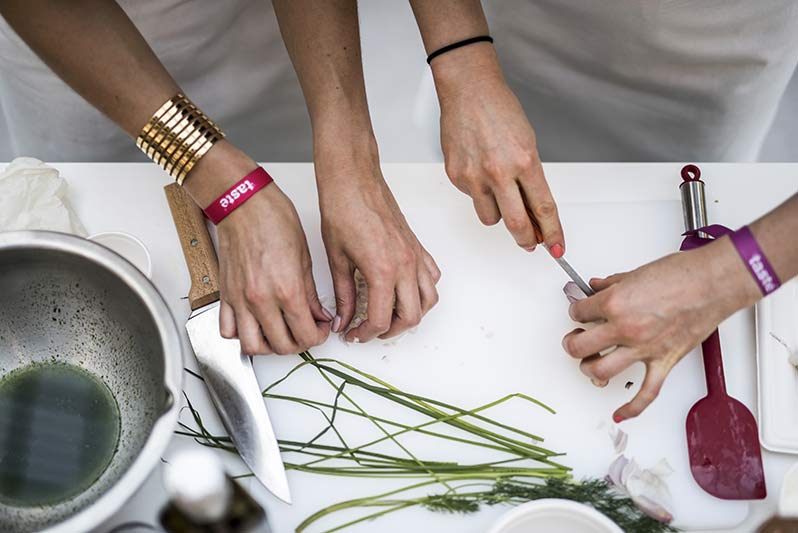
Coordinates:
777	377
128	246
554	516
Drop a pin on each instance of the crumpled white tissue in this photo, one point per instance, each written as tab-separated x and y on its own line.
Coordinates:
34	197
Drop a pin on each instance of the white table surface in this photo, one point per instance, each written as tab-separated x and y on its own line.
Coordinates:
129	197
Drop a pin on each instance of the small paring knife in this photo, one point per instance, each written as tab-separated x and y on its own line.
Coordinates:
564	264
573	274
228	373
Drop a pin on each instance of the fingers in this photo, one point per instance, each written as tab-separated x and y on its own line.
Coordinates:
250	334
407	312
319	313
540	200
587	310
343	277
580	343
304	329
283	316
599	284
432	266
602	369
227	321
380	310
486	208
515	216
277	331
655	377
427	290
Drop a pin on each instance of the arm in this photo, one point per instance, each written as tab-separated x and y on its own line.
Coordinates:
659	312
95	48
488	145
362	225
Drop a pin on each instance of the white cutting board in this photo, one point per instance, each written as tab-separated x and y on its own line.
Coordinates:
497	328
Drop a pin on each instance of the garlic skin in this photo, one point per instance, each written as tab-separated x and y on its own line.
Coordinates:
646	487
361	311
573	292
619	439
792	353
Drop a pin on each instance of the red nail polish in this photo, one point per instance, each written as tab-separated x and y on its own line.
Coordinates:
556	251
617	419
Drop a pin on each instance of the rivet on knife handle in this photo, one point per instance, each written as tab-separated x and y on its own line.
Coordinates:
195	240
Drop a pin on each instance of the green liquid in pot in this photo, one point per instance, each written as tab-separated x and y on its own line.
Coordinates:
59	429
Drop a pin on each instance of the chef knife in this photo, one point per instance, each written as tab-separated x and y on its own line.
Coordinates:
228	373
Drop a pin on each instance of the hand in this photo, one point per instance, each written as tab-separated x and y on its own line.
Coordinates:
364	229
490	151
268	296
656	314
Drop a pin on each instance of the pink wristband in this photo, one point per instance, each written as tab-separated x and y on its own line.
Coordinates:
755	260
236	195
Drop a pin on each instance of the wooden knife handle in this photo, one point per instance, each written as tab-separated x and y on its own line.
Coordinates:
203	266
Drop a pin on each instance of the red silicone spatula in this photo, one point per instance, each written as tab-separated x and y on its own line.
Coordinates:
722	436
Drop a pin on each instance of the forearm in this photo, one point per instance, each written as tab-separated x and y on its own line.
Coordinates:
775	233
323	42
96	49
448	21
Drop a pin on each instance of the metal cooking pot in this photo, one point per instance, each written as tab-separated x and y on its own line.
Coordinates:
112	322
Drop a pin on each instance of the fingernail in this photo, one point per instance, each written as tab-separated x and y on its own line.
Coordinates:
617	419
327	314
356	340
556	251
532	249
336	327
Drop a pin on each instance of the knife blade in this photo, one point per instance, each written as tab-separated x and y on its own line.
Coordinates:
573	274
228	373
564	264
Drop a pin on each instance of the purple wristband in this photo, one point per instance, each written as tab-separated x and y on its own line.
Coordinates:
755	260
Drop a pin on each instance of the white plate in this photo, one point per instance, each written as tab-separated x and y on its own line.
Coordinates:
554	516
777	378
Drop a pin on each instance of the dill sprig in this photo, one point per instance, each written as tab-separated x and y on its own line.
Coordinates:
597	493
522	470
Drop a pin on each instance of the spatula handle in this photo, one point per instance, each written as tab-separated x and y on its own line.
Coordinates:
203	266
713	365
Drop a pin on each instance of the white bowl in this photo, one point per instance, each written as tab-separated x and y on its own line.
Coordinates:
128	246
552	515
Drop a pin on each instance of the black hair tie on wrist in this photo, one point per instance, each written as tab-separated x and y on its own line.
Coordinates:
458	44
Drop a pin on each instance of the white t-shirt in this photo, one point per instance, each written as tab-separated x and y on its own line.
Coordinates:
647	80
227	56
609	80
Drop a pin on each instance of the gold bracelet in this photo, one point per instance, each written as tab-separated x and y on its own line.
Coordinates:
177	136
201	151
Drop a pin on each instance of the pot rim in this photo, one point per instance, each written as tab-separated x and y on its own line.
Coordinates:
171	340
